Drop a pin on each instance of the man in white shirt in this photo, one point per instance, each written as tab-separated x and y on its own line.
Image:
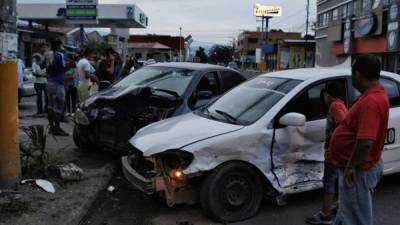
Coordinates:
85	77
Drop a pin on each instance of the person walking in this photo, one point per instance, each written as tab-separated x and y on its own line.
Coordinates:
85	75
55	65
40	83
71	87
106	66
20	73
336	114
357	144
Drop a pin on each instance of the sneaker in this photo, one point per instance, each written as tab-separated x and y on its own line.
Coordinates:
59	132
319	218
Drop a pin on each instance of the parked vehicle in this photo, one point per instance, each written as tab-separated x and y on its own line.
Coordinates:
109	118
262	138
28	88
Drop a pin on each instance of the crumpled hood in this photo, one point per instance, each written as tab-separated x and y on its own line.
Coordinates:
116	92
177	132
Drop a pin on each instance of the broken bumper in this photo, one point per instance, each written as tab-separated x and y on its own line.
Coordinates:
137	180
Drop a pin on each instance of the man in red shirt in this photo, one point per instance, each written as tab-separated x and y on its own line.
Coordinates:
336	114
357	144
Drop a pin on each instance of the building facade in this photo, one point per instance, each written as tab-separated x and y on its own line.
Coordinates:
347	28
283	50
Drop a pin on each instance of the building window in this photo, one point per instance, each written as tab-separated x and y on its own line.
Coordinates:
253	40
251	52
344	11
335	14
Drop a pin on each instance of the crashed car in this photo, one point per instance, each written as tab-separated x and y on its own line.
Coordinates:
263	138
110	117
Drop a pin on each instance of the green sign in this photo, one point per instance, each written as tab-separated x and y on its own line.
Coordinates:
81	12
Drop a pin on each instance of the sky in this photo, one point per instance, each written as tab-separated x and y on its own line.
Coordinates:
213	21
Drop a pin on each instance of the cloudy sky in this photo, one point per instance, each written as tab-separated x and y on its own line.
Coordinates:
216	21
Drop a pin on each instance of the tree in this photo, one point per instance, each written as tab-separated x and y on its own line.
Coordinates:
221	54
98	47
202	55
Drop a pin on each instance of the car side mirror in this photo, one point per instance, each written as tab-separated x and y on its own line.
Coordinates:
202	95
293	120
104	84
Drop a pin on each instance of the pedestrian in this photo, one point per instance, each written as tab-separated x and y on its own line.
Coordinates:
150	60
71	87
55	87
336	114
20	73
118	67
357	144
40	83
106	66
84	69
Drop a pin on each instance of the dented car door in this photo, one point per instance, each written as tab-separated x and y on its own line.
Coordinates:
298	152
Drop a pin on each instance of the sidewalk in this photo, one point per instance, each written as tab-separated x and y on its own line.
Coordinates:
71	200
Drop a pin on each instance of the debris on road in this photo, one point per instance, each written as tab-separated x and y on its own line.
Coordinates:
68	172
43	184
111	189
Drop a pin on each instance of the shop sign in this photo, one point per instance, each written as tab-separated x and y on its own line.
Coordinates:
81	11
393	27
267	11
366	23
347	36
130	12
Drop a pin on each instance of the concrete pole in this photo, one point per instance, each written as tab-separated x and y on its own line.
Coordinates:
10	165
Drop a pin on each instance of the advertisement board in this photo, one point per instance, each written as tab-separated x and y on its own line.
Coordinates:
267	11
81	11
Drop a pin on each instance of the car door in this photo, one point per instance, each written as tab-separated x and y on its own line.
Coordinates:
207	89
391	153
297	152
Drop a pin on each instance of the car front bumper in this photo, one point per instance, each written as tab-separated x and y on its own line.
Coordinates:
140	182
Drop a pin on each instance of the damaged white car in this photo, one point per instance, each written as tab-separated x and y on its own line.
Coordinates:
263	138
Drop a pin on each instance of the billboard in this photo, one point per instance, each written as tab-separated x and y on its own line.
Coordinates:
268	11
81	11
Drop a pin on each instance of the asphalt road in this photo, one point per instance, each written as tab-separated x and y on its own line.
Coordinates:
127	206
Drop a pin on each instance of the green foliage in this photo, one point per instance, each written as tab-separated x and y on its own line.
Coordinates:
202	55
220	54
98	47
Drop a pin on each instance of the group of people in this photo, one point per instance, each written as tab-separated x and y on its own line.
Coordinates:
62	82
355	139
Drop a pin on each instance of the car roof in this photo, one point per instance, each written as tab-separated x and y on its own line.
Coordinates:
316	73
191	66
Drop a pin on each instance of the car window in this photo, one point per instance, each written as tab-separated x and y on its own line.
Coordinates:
249	101
392	90
230	79
167	78
310	102
210	82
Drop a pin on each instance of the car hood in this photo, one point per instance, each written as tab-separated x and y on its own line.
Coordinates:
115	92
177	132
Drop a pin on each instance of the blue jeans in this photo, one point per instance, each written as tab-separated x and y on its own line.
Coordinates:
40	90
355	201
56	93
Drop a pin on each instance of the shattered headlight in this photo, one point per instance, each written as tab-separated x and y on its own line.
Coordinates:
81	118
174	160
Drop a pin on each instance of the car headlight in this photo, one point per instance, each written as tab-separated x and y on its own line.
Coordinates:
81	118
107	113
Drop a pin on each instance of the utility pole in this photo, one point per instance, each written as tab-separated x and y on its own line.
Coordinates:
10	166
180	44
306	37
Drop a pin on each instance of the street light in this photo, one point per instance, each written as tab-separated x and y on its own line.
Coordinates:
180	44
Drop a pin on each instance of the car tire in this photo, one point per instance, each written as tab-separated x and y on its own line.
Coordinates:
82	140
232	192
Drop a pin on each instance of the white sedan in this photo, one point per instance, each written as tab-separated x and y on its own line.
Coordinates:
262	138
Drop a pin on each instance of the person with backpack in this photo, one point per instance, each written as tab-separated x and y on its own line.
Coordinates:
55	66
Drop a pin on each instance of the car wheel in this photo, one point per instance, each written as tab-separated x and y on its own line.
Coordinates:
81	139
232	192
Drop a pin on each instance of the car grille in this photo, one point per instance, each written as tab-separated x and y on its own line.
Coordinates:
144	167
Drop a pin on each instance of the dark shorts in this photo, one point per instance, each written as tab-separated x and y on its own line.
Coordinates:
56	94
330	180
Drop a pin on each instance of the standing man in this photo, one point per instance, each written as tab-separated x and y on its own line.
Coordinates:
357	144
336	114
85	75
40	83
20	71
55	88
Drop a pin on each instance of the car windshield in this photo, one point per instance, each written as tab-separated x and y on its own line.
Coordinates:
248	102
166	78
